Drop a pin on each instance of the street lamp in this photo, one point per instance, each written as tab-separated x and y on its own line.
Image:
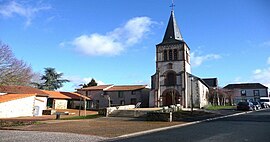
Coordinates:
191	94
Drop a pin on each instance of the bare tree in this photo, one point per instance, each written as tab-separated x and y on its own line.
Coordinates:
12	70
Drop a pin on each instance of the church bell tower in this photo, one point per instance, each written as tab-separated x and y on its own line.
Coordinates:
169	83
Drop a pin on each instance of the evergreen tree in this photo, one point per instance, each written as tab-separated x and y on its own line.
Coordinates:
52	80
91	83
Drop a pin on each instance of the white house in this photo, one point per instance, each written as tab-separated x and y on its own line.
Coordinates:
17	105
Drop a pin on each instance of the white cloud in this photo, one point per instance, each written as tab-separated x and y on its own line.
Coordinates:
257	71
116	41
268	61
262	76
266	43
14	8
197	60
96	44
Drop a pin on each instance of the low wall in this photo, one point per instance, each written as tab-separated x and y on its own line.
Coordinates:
159	116
109	110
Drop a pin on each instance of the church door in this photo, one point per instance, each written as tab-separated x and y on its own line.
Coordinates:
171	97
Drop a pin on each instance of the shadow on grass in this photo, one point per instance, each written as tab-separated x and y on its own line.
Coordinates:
82	117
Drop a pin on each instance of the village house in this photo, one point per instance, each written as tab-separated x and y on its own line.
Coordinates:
116	95
173	82
16	105
66	100
16	101
246	91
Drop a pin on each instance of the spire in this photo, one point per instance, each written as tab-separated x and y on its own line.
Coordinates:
172	33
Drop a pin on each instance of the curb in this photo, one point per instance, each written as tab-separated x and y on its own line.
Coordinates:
179	125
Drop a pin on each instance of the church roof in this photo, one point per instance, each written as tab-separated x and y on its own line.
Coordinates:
212	82
172	34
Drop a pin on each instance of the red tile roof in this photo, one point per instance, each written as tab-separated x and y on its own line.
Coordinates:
10	97
126	88
21	90
65	95
113	88
92	88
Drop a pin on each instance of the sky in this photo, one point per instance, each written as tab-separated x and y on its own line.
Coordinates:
114	42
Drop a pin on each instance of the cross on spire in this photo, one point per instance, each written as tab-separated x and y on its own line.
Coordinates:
172	5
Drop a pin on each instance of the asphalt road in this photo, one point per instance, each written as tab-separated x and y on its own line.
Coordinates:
251	127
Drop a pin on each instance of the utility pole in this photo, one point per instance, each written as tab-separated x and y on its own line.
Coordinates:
80	106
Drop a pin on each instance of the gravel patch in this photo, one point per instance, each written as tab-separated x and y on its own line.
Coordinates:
36	136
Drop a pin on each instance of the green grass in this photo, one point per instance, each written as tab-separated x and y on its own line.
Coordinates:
81	117
219	107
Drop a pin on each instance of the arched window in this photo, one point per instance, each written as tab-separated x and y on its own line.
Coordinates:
170	55
165	55
175	54
170	79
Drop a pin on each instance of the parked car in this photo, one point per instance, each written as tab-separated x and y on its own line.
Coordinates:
245	106
265	105
257	105
265	101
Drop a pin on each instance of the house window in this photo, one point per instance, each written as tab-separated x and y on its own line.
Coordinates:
133	101
170	55
165	55
256	95
120	94
175	54
243	93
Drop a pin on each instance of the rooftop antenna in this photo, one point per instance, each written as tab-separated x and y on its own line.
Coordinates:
172	5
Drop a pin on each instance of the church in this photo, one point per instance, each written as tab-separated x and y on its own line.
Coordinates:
173	82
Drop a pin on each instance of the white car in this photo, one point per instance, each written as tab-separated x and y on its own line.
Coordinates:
265	101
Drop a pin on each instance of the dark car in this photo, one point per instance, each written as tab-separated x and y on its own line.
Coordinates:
245	106
257	105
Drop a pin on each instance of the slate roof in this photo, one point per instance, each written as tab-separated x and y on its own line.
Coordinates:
246	86
211	82
11	97
21	90
172	34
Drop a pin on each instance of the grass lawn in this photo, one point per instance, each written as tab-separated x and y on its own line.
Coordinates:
219	107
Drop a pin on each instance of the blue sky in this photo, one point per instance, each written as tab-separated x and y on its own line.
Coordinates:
114	41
